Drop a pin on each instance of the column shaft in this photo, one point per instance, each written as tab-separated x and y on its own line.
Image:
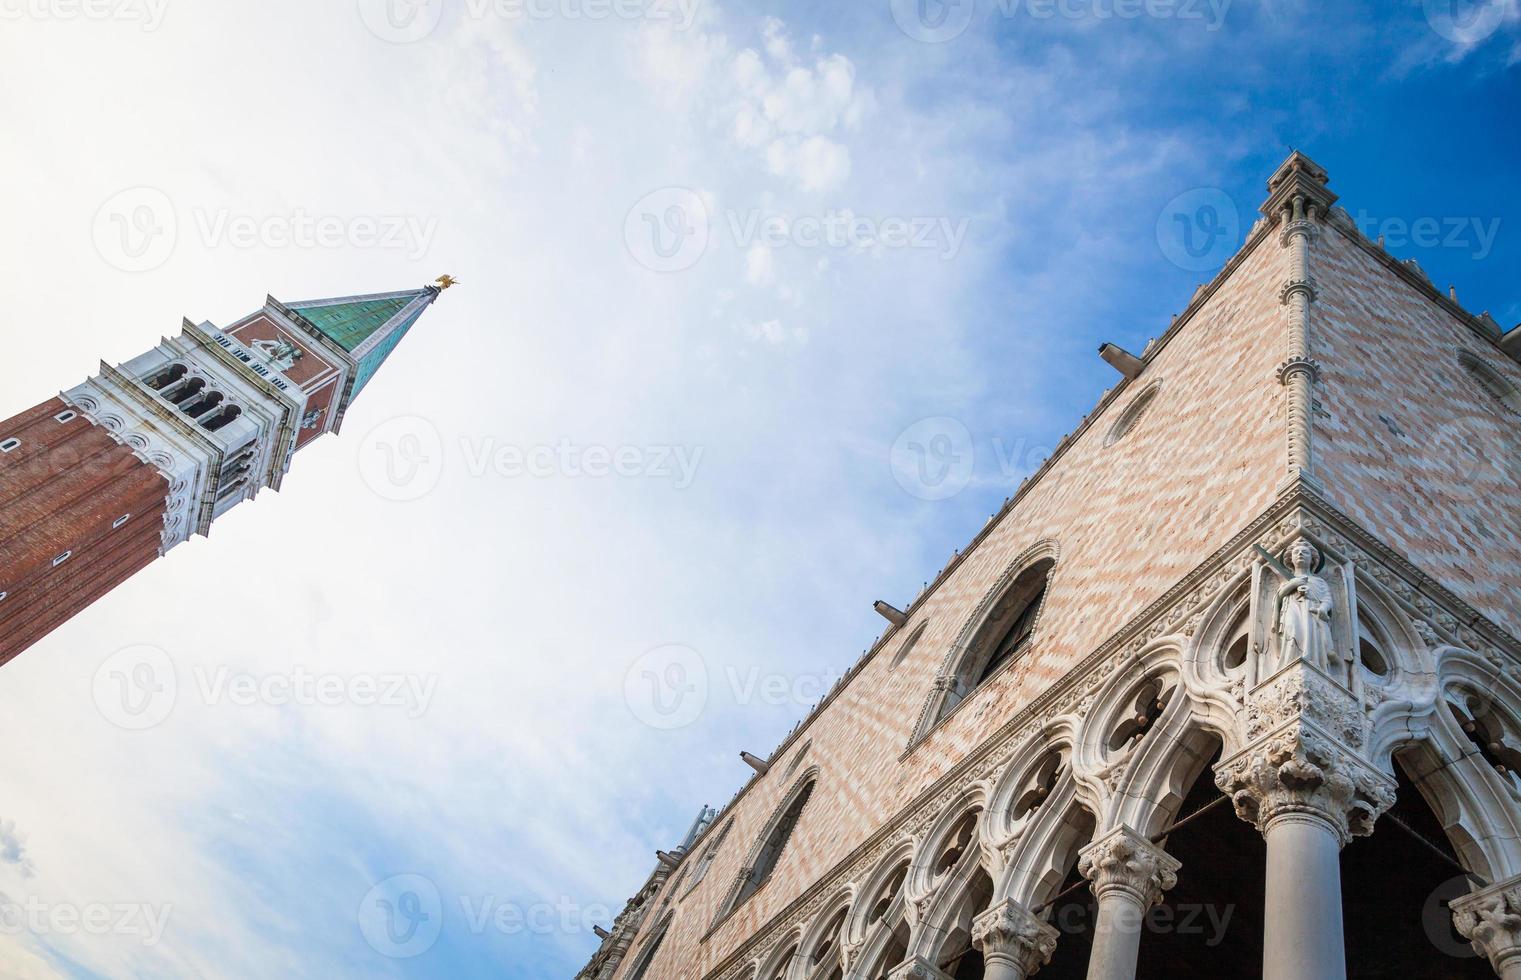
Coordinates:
1117	937
1302	934
1003	967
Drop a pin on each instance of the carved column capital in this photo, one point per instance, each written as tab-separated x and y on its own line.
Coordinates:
1490	918
1008	931
1301	774
1125	862
918	968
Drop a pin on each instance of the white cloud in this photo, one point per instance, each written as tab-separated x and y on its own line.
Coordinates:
13	849
815	164
773	333
760	267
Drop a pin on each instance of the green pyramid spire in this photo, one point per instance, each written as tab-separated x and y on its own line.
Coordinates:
366	327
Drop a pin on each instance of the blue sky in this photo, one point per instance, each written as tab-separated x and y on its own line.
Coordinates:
763	392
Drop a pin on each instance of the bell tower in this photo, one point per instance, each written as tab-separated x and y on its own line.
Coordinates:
109	475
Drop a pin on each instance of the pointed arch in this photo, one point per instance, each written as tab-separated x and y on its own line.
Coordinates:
996	635
768	848
821	951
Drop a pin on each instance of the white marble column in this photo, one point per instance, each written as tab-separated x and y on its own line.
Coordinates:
1013	942
1490	918
1302	931
1129	874
1308	797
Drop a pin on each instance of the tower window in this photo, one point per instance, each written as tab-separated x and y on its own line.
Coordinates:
68	416
166	377
10	444
202	405
217	420
120	521
3	595
191	388
62	558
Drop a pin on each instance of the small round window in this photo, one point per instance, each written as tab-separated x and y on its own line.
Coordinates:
1131	417
1490	380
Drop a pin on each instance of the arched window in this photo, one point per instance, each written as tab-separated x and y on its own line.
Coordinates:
1017	636
907	646
216	420
1147	705
1491	733
999	633
883	900
647	955
1371	645
1491	381
187	391
709	853
200	406
1004	635
775	842
9	445
798	757
165	376
826	952
957	843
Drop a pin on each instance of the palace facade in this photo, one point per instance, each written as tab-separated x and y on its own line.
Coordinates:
1231	687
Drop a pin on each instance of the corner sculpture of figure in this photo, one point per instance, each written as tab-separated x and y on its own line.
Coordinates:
1303	621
